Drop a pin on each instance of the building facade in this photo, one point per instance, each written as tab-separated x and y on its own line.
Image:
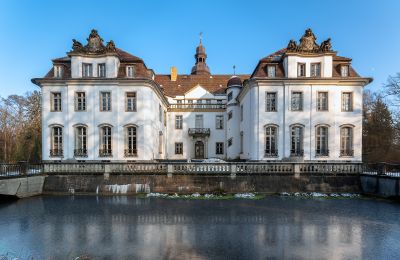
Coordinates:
301	103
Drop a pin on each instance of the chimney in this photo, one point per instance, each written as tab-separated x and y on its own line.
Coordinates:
174	73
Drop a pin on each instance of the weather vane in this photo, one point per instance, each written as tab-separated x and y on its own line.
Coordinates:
234	69
201	36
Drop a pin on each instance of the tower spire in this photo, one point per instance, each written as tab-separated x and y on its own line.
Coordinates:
200	67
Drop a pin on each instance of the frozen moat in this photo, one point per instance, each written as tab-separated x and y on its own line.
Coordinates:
122	227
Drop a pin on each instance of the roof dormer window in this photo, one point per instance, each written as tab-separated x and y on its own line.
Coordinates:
315	70
301	70
101	70
344	70
87	70
130	71
271	70
58	71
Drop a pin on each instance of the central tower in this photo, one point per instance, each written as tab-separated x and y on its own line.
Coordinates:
200	68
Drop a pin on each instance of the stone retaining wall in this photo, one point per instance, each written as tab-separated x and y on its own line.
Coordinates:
188	184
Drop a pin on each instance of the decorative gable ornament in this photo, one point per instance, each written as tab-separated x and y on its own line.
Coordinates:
94	45
308	44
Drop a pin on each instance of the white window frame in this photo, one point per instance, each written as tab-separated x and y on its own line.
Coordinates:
105	101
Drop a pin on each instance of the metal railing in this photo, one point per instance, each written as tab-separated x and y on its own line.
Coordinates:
56	153
130	152
80	153
347	153
197	106
199	131
296	152
105	152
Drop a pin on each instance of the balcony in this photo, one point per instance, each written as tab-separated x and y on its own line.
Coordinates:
197	107
56	153
80	153
105	153
199	132
130	153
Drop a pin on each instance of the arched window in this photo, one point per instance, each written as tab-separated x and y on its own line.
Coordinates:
296	136
321	138
56	146
80	141
130	141
271	141
346	141
105	141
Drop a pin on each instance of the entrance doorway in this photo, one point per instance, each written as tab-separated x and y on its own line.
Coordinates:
199	150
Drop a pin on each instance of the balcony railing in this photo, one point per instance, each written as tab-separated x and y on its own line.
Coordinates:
105	153
346	152
80	153
297	153
271	153
130	152
322	152
56	153
199	131
198	106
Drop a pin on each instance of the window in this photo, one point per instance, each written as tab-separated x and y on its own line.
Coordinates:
160	142
347	101
321	137
165	117
270	102
219	148
178	148
271	71
230	141
301	69
219	102
178	122
208	101
219	122
179	101
80	141
130	102
160	113
55	101
101	70
130	141
105	142
296	148
199	121
58	71
315	69
344	70
105	101
56	148
130	72
322	101
230	115
199	101
230	96
346	141
87	70
241	113
241	142
271	140
80	101
190	101
297	101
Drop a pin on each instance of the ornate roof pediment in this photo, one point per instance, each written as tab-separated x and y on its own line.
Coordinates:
94	45
308	44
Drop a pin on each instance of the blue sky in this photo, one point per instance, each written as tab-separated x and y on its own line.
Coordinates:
165	33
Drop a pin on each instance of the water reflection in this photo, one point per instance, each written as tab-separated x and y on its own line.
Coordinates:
119	227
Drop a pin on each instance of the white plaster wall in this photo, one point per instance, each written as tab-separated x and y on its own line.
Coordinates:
112	65
146	119
309	117
232	125
181	135
290	65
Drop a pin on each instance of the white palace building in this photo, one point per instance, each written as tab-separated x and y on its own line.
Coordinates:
301	103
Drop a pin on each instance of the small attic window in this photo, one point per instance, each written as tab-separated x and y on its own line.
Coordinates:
58	71
271	70
344	70
130	71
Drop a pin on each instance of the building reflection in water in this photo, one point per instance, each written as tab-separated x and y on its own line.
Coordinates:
118	227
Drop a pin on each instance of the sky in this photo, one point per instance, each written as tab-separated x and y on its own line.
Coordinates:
166	33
